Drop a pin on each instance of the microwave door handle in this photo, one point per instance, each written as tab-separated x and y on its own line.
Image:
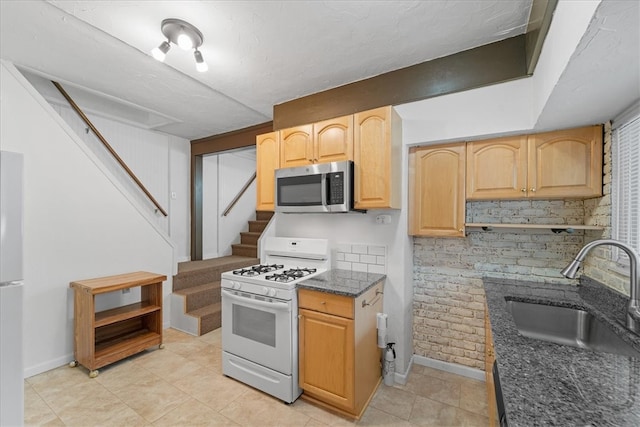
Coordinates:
324	185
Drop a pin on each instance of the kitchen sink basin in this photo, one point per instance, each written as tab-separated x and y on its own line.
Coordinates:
568	326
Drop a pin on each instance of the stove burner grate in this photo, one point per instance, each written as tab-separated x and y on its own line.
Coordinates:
257	270
290	274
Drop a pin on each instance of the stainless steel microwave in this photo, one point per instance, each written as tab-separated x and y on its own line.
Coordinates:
322	187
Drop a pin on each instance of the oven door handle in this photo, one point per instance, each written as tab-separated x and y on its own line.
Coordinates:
280	306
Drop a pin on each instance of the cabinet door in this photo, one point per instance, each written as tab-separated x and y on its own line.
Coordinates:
436	190
267	161
326	354
372	159
566	163
497	168
333	140
296	146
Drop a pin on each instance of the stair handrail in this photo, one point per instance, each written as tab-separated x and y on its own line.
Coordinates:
240	193
109	147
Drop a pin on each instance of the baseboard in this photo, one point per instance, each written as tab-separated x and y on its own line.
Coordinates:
48	365
399	378
453	368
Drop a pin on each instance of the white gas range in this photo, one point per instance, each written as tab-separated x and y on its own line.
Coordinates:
260	315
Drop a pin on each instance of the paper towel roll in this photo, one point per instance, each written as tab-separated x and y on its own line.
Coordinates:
381	323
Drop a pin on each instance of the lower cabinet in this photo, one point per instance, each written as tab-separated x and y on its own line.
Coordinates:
340	366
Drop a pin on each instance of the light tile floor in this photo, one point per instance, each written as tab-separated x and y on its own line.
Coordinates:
182	385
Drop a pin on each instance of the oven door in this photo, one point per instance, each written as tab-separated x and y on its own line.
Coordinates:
258	329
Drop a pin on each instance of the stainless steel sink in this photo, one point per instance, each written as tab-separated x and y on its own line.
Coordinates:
568	326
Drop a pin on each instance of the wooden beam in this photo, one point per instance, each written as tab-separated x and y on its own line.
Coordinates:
485	65
537	29
196	208
229	141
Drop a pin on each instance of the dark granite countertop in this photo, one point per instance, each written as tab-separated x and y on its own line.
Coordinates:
342	282
550	384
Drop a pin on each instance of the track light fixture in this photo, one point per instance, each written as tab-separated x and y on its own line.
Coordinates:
183	34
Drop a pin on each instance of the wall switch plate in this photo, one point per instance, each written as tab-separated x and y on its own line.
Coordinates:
383	219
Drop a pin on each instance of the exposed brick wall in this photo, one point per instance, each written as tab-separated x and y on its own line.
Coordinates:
598	264
448	305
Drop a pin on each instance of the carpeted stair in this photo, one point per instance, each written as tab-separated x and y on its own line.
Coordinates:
195	305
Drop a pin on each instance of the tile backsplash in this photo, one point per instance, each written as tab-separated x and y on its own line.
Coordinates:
360	257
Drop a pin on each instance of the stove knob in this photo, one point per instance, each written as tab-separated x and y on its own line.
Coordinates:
272	292
237	285
265	290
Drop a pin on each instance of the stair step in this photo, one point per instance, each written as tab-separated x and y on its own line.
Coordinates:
244	250
210	317
250	237
257	226
196	273
264	215
200	296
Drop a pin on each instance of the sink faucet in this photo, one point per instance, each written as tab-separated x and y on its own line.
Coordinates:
633	308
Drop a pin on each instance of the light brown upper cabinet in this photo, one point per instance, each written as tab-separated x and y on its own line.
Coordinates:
322	142
296	146
565	164
497	168
333	140
267	161
436	190
376	155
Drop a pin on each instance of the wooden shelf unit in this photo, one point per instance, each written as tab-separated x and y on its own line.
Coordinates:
108	336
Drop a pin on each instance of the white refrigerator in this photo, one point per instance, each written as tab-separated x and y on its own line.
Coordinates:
11	302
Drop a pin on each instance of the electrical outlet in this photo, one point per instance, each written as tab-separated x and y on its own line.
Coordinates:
383	219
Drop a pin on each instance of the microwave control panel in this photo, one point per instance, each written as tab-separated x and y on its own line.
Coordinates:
336	188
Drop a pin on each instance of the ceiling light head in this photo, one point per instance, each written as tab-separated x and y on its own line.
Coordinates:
200	64
181	33
160	52
185	42
184	35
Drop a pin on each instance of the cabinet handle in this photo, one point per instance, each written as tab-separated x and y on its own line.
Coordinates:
299	316
379	292
323	302
524	190
365	303
533	189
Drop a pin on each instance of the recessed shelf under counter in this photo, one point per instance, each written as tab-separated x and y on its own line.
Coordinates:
556	228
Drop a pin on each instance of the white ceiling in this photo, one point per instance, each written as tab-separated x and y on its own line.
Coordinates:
260	53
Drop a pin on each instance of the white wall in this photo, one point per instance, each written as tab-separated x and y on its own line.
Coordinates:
161	162
78	223
180	197
236	168
210	207
223	176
